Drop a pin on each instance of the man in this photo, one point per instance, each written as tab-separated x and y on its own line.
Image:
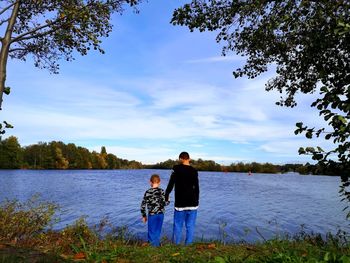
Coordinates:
185	179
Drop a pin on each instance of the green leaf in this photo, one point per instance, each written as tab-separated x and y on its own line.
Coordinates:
308	134
7	90
299	124
8	125
219	260
342	119
317	156
328	136
324	89
320	149
310	149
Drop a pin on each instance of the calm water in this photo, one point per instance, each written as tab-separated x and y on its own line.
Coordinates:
230	203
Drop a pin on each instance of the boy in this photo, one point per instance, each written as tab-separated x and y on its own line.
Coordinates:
154	200
185	179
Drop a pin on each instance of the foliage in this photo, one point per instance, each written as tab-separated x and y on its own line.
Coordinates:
308	42
57	155
53	30
254	167
50	30
10	153
20	222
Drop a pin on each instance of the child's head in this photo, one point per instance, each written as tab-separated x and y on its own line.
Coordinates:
154	180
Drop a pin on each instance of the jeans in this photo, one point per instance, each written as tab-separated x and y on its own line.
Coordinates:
155	223
189	217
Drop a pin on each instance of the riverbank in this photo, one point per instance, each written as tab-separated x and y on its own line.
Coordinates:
26	236
312	250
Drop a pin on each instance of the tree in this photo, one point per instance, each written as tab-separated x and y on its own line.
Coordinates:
10	153
309	44
60	161
50	30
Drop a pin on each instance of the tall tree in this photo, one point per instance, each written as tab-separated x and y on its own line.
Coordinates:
309	44
50	30
10	153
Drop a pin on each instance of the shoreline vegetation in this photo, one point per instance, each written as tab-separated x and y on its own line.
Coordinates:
58	155
26	235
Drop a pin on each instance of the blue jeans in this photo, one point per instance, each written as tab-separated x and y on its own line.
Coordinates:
155	223
189	217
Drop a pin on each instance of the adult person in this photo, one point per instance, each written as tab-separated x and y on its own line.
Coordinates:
185	179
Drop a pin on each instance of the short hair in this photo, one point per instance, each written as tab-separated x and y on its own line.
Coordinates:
155	178
184	156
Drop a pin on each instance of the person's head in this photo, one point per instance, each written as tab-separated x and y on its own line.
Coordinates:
154	180
184	158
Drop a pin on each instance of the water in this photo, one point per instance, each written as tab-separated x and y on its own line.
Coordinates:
232	205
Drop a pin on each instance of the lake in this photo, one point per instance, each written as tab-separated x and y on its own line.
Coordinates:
232	205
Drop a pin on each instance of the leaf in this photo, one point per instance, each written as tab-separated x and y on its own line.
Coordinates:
211	246
7	90
8	125
308	134
219	260
80	255
317	156
299	124
320	149
301	150
342	119
328	136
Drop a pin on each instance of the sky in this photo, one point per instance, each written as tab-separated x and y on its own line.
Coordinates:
157	91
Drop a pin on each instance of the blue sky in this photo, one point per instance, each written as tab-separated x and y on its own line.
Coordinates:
157	91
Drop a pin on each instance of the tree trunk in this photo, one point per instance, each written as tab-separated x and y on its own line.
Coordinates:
5	46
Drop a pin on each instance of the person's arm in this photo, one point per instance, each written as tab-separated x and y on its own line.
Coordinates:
197	186
163	200
170	186
143	208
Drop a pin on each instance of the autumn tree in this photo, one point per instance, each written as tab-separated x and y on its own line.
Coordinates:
10	153
50	30
308	44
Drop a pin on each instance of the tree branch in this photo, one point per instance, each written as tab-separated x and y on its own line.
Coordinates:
17	49
4	21
8	7
23	36
36	35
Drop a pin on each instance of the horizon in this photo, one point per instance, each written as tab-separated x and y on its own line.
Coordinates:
157	91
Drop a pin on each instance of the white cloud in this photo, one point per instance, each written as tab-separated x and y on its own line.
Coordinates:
218	59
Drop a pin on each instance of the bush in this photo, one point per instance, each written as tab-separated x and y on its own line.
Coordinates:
23	221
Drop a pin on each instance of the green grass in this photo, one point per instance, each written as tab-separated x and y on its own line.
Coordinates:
31	240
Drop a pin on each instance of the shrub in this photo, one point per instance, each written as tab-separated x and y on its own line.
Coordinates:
23	221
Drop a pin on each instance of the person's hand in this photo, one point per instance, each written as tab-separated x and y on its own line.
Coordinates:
144	219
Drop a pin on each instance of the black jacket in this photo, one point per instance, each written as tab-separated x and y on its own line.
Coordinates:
185	180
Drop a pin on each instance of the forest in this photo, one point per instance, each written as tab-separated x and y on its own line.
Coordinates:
58	155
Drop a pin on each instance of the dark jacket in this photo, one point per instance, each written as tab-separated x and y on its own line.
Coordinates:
185	180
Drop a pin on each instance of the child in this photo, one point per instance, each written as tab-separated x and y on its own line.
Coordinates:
154	200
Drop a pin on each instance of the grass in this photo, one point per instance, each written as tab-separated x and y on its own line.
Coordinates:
31	239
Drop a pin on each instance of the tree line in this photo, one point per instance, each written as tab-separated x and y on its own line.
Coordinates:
253	167
58	155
